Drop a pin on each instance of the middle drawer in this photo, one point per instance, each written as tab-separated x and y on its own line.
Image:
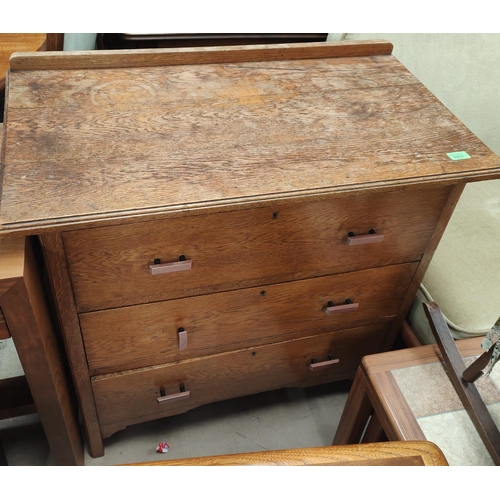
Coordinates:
161	332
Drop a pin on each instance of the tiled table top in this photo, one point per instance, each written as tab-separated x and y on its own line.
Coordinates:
440	413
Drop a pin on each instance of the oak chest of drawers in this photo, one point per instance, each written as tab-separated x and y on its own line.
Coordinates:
225	221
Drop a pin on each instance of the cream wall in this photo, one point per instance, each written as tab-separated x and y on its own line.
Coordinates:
461	70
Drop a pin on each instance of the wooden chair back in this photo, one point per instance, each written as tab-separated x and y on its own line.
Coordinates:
366	454
463	380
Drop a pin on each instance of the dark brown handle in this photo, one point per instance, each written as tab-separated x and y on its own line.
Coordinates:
170	267
364	239
182	394
323	364
348	306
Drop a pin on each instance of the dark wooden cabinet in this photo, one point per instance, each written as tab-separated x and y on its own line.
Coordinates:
113	41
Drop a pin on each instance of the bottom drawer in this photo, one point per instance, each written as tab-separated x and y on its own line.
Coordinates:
130	397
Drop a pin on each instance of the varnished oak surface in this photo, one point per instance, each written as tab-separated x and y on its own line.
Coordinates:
109	143
389	454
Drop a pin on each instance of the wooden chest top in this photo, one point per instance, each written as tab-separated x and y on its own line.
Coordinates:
93	137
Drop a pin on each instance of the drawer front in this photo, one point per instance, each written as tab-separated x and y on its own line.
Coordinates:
110	266
131	397
144	335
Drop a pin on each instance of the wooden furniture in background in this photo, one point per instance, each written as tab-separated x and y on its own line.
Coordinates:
169	40
374	392
47	381
375	454
463	379
17	42
408	336
376	398
23	42
298	193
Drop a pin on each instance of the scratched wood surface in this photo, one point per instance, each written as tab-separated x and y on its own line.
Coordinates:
89	144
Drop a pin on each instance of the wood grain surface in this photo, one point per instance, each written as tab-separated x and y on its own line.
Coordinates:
109	266
66	317
133	337
409	453
144	58
129	397
117	142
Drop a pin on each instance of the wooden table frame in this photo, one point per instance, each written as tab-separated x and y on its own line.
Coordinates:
27	316
375	402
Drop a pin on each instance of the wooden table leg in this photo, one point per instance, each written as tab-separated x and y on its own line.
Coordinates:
26	312
356	414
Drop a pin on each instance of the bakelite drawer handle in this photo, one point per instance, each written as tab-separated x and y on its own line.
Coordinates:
182	394
170	267
323	364
348	306
183	338
363	239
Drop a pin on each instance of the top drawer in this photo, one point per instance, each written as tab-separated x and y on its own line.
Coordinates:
110	266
